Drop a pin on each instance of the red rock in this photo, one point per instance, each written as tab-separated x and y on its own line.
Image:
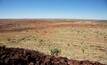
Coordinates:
16	56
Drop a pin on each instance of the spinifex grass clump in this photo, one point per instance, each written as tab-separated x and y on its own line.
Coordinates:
55	52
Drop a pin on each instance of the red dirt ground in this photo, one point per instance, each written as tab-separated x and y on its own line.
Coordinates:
6	26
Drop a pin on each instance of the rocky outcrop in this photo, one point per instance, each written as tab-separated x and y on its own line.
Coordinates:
16	56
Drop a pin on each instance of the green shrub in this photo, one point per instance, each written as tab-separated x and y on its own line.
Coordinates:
55	52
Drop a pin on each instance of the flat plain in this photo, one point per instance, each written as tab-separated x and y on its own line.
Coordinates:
77	39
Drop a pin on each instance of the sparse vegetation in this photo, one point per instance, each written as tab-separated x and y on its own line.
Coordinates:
41	41
8	39
75	39
55	52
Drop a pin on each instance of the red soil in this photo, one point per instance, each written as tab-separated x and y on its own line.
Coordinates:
7	26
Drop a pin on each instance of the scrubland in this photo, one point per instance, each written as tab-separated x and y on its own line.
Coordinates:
77	39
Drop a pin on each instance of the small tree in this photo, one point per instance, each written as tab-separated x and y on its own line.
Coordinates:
55	52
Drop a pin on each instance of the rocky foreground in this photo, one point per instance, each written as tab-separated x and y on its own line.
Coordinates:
16	56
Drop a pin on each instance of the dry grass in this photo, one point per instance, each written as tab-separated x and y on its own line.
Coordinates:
80	42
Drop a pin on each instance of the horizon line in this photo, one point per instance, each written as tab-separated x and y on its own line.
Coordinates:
56	18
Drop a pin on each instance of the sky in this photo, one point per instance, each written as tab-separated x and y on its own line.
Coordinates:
67	9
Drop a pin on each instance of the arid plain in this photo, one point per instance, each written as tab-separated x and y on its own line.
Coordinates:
77	39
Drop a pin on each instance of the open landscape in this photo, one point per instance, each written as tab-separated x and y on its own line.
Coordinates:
76	39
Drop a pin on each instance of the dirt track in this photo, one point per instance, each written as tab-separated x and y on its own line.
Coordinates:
16	56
